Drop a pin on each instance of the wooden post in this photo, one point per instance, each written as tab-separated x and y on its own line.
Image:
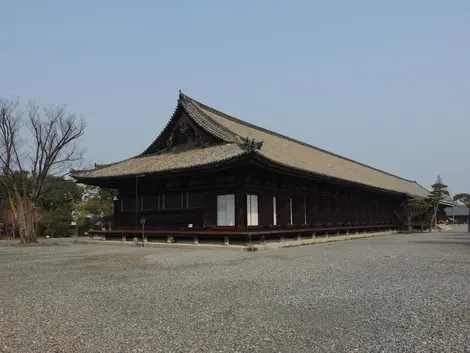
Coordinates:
144	237
195	241
117	212
240	203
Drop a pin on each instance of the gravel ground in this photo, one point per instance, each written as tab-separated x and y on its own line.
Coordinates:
399	293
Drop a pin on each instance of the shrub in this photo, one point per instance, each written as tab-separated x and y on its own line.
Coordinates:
49	232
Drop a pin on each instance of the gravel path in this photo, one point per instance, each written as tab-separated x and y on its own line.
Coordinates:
399	293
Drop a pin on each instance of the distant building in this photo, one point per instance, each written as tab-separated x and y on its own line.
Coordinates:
460	214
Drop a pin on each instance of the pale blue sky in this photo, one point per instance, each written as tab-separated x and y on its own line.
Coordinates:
386	83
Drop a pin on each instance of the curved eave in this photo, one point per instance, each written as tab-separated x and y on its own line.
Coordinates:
257	155
169	171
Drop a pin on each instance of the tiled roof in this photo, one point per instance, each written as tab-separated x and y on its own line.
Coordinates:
299	155
459	210
276	148
164	162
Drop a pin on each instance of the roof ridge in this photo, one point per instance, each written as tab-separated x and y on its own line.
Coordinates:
421	185
184	100
232	118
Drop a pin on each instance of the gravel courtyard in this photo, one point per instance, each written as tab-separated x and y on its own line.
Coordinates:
398	293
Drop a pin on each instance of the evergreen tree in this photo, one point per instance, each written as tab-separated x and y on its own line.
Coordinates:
417	210
439	191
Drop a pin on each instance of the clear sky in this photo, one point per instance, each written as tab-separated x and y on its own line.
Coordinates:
386	83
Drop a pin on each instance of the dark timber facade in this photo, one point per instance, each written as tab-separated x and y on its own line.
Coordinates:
211	175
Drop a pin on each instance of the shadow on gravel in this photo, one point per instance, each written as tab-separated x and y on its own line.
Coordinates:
441	242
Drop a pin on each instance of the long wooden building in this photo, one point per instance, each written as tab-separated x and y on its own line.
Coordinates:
211	175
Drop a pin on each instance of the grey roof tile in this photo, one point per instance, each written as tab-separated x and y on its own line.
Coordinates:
154	163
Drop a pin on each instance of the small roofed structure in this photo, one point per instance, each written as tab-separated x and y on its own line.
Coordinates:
459	214
211	174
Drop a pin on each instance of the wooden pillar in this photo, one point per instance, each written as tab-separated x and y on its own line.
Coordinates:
352	209
240	205
360	210
345	211
333	207
315	210
137	199
328	207
117	213
209	217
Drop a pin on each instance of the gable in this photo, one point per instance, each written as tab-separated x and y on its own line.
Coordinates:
181	132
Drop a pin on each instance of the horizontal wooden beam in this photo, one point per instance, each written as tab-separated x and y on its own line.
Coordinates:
222	232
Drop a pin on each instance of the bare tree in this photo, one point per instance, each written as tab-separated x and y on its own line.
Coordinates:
35	144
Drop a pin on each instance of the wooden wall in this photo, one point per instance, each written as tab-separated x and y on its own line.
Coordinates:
192	199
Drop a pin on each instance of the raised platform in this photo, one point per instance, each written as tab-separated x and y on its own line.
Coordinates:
266	245
234	237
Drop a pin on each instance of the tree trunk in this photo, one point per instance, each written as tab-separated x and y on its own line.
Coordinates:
25	220
434	217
